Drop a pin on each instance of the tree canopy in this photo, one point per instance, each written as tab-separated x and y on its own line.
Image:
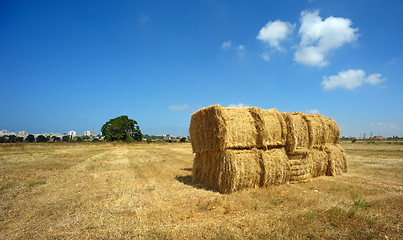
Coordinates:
30	138
121	129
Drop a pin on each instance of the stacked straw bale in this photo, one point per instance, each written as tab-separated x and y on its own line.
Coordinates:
239	148
298	133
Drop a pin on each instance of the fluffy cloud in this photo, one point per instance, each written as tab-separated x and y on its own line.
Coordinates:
386	125
179	107
226	45
312	111
274	32
319	37
350	79
265	56
239	105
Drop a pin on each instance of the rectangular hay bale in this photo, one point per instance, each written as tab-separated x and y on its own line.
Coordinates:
275	166
316	128
218	128
300	167
332	131
297	133
320	162
270	126
228	170
337	159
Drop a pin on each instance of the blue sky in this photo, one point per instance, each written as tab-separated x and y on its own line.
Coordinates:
73	65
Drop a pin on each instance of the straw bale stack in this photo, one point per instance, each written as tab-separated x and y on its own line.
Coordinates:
275	167
316	129
239	148
322	130
320	163
337	159
298	133
270	126
218	128
228	170
332	131
300	167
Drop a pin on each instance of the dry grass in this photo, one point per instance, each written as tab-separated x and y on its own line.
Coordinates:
107	191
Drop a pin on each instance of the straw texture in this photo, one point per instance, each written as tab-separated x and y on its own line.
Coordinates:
298	133
218	128
275	167
337	159
270	126
228	170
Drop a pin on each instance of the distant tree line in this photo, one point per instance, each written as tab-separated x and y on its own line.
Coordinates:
41	138
121	129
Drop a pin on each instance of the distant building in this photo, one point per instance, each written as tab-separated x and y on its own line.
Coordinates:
88	133
71	133
378	137
3	132
22	133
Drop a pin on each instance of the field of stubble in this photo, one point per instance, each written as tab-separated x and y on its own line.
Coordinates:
145	191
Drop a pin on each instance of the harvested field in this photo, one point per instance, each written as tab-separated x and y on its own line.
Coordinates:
145	191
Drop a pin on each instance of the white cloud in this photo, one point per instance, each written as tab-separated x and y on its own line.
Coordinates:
265	56
176	107
393	60
350	79
275	32
239	105
241	50
226	45
319	38
312	111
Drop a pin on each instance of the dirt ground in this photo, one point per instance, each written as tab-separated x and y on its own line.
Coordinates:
145	191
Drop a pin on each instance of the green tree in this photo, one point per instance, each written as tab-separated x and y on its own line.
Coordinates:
66	138
30	138
42	138
56	139
12	138
121	129
78	139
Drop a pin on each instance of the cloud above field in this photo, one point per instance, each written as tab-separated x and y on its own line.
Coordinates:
350	79
275	32
177	107
391	126
319	37
239	105
226	45
265	56
312	111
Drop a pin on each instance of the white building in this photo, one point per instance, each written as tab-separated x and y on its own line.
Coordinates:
88	133
71	133
3	132
22	133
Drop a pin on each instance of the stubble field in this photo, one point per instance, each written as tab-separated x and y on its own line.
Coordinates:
145	191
